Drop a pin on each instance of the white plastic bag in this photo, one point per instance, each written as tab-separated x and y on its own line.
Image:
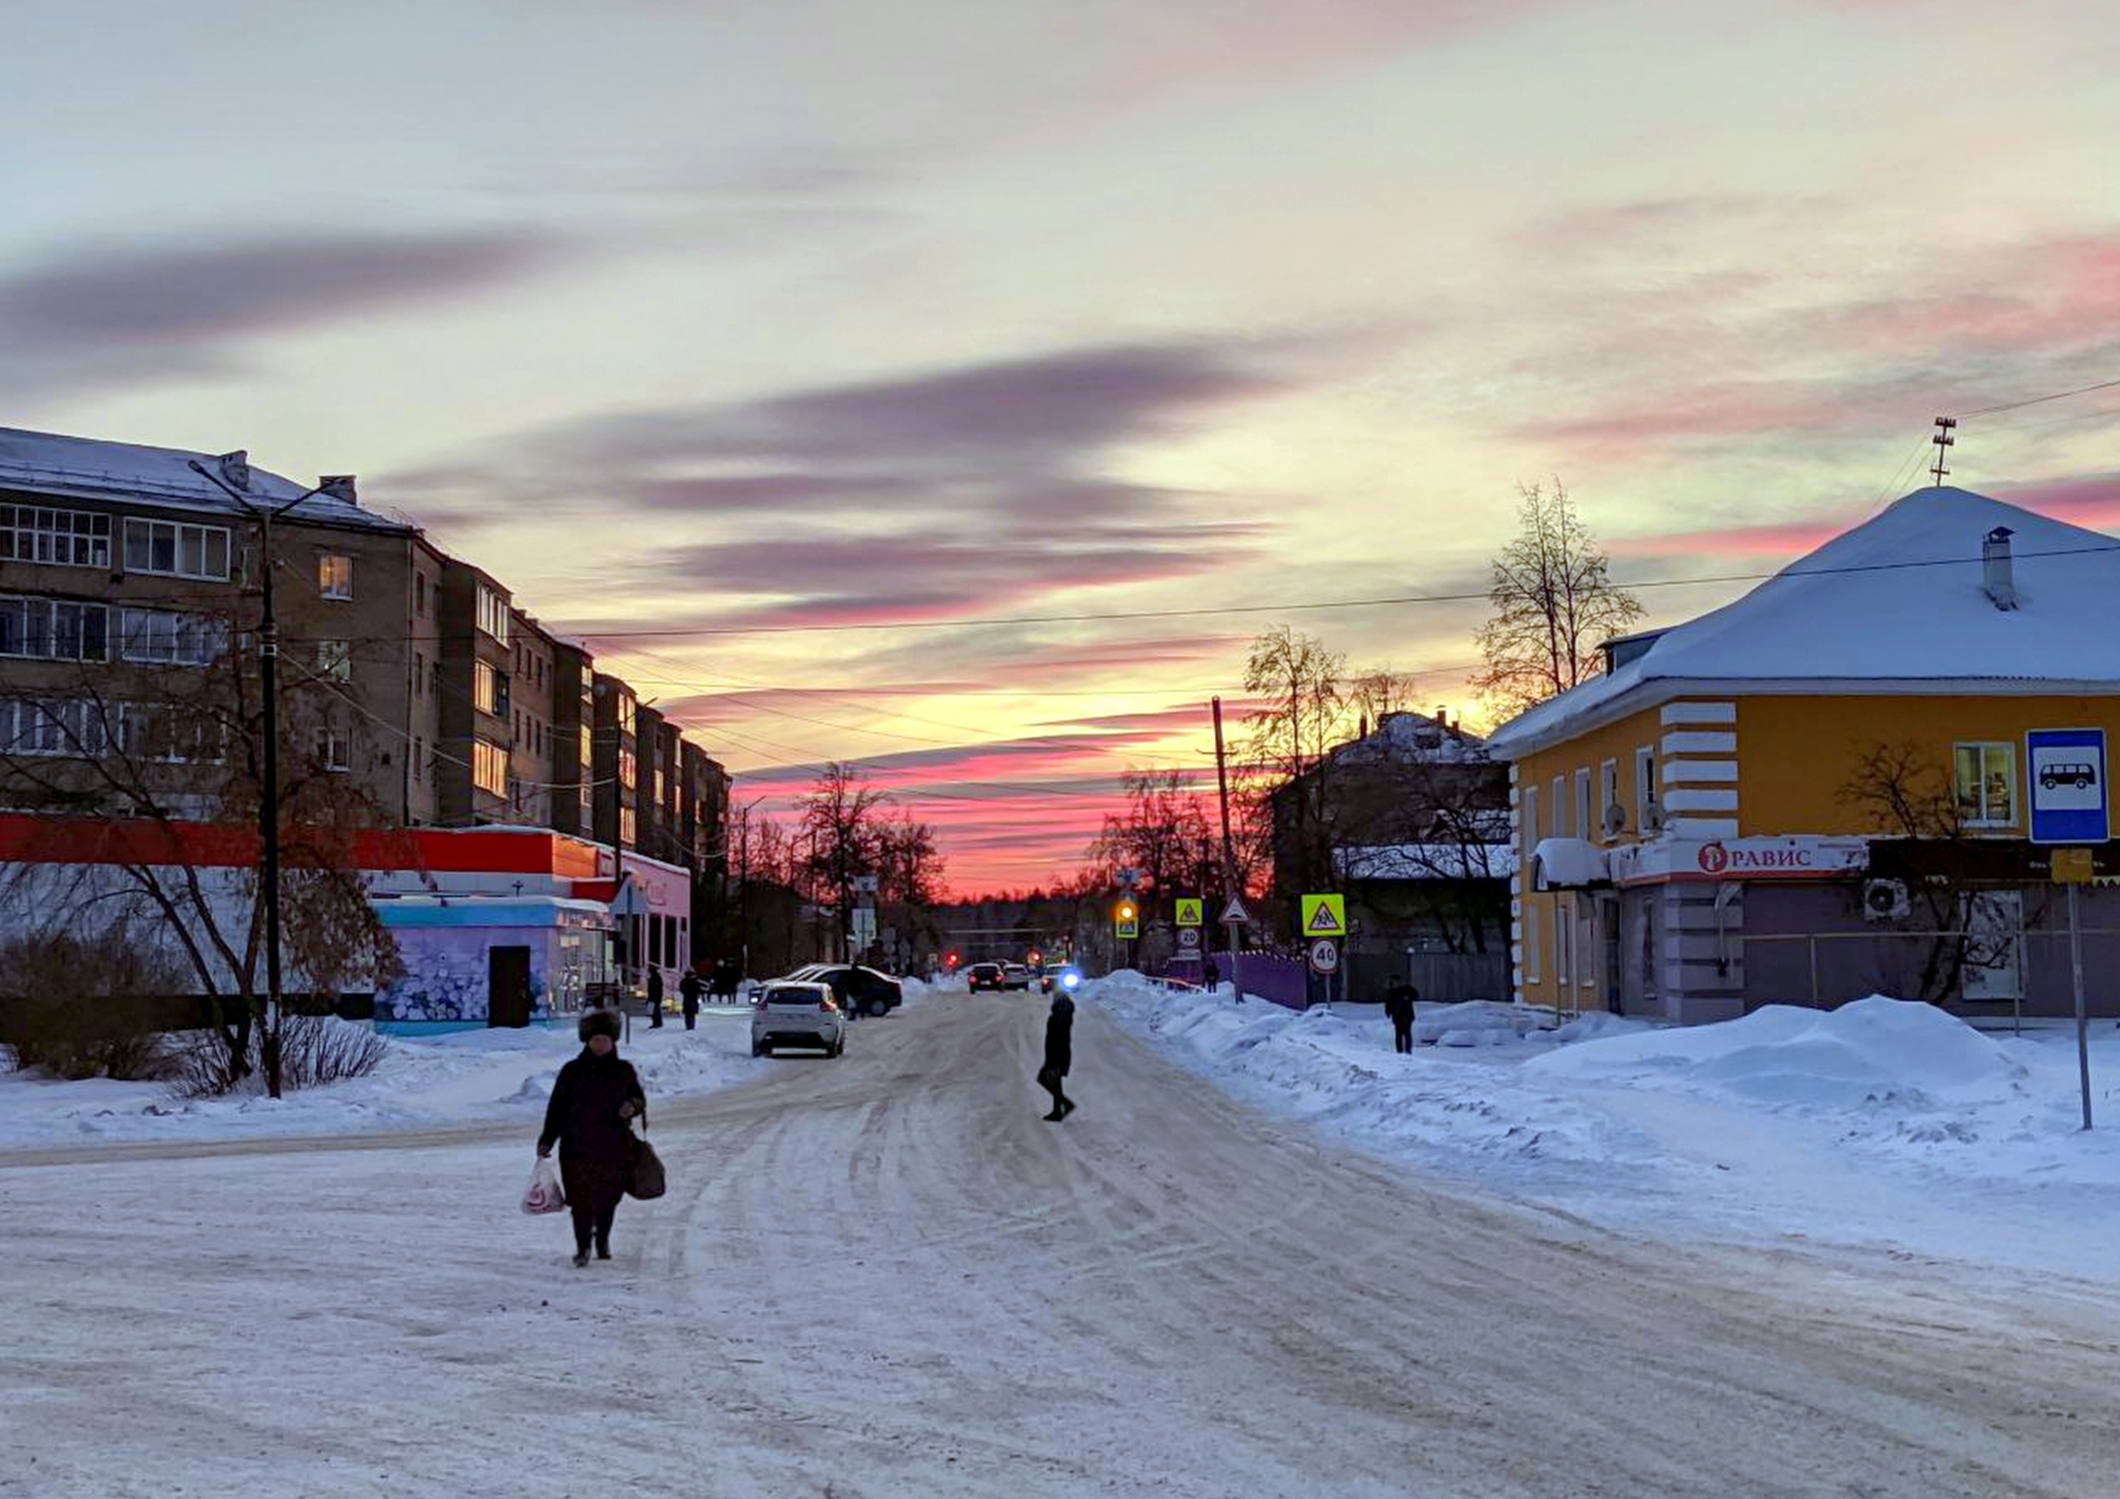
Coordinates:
543	1194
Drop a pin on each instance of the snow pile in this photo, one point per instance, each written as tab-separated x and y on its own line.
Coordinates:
1871	1050
1883	1122
1477	1022
494	1075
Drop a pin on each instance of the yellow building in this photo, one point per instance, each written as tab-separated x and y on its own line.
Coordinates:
1827	788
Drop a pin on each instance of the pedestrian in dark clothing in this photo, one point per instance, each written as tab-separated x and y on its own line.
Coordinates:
1059	1055
727	980
1398	1005
594	1100
688	997
1213	975
655	997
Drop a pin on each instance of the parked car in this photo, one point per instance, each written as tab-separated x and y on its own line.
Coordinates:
784	1013
983	976
858	989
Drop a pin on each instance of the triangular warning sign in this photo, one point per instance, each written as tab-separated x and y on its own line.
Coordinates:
1324	916
1234	913
1324	923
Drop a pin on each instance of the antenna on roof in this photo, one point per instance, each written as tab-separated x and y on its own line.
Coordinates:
1945	426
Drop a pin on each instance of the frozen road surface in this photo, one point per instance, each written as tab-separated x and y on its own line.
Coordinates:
885	1276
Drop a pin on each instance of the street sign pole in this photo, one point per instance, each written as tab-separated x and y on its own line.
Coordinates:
1229	863
2083	1024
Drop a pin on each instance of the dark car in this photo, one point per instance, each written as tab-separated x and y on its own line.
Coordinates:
984	976
858	989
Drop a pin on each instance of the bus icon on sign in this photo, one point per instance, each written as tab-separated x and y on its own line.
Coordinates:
2079	774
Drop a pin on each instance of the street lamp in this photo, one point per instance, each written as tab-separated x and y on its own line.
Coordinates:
269	806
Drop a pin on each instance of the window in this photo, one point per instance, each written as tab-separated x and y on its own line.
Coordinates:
489	767
335	575
1607	799
1644	787
486	688
335	749
434	682
493	613
163	637
419	674
419	762
1531	941
1527	817
172	735
419	594
51	728
59	538
628	826
54	630
587	752
628	769
1986	776
176	550
335	659
1583	826
1560	806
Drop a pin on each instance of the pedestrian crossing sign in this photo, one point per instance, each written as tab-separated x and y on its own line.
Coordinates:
1324	916
1191	912
1126	929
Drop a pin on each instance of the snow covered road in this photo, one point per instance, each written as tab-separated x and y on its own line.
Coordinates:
885	1275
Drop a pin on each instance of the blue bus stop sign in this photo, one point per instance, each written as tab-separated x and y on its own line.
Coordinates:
2064	776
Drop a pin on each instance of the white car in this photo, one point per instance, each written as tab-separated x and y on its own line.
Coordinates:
784	1013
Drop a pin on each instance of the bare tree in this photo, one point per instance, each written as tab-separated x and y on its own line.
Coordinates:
840	814
150	776
1376	691
1906	794
1286	770
1162	834
1555	605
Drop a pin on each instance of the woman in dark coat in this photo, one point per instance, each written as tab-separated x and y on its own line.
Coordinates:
596	1096
1059	1055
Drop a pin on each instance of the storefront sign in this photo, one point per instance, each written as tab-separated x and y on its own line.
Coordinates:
1794	857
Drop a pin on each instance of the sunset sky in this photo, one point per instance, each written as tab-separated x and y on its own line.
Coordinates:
709	325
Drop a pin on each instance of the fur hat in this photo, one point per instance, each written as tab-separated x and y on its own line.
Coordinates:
598	1023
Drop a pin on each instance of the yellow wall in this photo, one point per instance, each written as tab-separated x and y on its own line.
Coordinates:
1614	741
1795	753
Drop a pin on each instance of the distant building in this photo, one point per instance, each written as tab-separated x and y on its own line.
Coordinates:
1823	789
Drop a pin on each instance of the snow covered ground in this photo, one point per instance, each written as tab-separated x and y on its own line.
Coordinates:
1883	1124
465	1077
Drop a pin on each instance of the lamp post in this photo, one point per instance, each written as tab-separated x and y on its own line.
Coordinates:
269	804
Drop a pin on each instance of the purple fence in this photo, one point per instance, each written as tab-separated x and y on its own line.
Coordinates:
1267	975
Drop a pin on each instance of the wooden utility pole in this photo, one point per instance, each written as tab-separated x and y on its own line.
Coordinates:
1229	856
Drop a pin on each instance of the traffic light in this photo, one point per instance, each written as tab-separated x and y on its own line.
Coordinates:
950	961
1036	957
1127	910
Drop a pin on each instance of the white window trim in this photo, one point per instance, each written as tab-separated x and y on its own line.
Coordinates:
2009	749
177	530
1644	786
1607	798
1559	818
21	523
51	609
1527	815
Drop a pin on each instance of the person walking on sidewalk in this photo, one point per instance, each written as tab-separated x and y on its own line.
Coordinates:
1059	1055
655	997
688	997
1398	1005
595	1099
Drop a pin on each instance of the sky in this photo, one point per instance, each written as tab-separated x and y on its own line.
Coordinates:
780	350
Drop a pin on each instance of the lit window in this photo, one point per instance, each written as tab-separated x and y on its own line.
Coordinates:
628	769
57	538
628	826
172	549
486	688
489	767
335	575
335	659
1986	783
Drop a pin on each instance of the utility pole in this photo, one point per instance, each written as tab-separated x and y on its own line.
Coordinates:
269	802
1944	441
1229	858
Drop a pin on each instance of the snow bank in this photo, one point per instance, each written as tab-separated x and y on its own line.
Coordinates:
1868	1050
465	1077
1881	1123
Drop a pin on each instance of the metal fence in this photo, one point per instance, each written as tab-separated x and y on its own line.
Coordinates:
2022	973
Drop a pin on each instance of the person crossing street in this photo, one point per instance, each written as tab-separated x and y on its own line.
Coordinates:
1059	1055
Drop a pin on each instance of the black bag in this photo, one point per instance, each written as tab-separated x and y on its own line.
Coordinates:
1049	1079
644	1172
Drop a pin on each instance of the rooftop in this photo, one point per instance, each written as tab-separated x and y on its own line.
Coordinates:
50	463
1896	604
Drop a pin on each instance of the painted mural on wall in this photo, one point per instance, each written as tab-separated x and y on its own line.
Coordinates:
447	974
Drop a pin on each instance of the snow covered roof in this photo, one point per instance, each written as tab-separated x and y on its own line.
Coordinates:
49	463
1897	603
1407	735
1429	861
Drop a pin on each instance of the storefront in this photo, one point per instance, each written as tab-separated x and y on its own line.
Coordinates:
474	961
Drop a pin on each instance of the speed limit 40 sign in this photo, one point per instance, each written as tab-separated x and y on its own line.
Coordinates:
1324	956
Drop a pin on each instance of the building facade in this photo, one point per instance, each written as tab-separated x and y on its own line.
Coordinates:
1824	790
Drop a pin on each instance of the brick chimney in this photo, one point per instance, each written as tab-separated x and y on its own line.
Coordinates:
339	487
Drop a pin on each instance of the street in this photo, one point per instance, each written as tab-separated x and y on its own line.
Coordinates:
885	1275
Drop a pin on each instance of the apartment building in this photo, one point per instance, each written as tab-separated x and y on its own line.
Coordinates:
532	715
